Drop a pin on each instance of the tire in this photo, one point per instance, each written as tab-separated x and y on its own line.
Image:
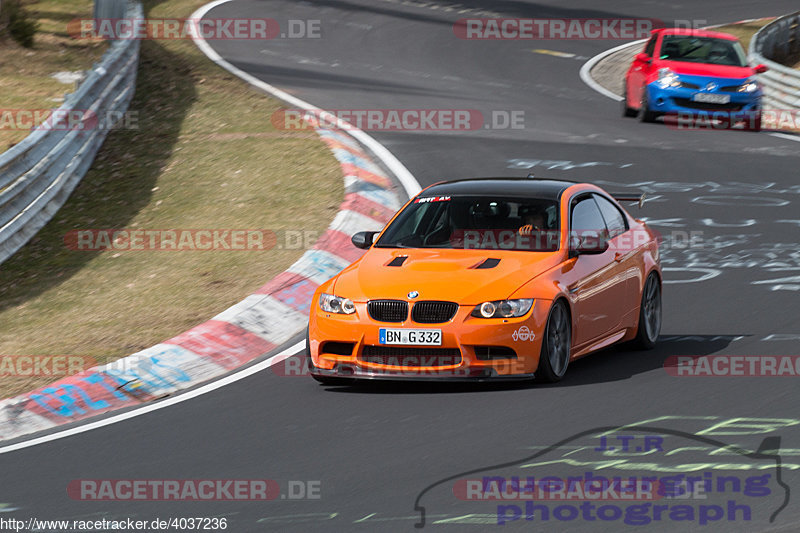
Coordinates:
324	380
627	111
645	115
556	345
649	314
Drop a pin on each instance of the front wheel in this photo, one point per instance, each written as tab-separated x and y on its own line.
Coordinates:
554	357
645	115
649	314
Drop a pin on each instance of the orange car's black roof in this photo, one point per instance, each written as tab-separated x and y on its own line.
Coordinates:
545	189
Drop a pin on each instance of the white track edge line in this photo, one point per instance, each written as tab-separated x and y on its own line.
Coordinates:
587	67
138	411
788	136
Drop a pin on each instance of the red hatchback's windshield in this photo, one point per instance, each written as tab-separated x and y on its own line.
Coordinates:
703	50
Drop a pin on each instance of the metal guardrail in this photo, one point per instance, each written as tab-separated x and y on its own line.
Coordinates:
778	41
38	174
109	9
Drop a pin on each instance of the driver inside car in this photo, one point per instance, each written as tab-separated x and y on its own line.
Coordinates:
532	220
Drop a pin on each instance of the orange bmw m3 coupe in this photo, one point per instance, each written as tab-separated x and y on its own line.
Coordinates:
483	279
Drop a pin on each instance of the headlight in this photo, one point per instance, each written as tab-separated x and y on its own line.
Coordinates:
749	86
334	304
667	78
503	308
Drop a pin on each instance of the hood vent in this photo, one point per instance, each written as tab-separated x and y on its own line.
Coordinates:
397	261
488	263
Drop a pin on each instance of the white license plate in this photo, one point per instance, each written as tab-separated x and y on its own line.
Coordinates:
711	98
426	337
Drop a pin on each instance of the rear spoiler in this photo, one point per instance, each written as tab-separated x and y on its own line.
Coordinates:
628	198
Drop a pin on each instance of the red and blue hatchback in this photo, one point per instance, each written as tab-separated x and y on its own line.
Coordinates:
685	72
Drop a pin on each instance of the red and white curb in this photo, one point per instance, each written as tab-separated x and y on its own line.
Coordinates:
244	332
247	330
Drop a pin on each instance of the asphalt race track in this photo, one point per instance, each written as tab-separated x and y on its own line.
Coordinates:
381	453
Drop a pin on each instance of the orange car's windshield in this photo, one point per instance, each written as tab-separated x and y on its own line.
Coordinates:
470	222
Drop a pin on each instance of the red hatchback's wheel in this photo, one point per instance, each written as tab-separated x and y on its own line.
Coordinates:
554	357
645	115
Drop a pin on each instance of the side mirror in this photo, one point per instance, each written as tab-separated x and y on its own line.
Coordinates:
760	68
363	239
644	58
589	245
